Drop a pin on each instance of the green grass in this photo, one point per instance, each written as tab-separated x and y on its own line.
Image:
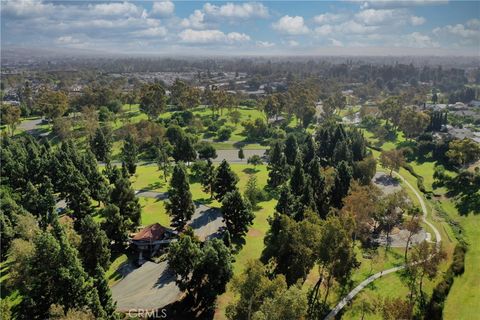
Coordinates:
153	211
112	274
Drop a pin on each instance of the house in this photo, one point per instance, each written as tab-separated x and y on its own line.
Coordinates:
474	103
151	239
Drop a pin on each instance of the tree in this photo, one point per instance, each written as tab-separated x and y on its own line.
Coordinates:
413	227
10	116
152	100
277	167
396	308
184	150
319	187
343	177
364	170
291	149
94	247
62	128
225	180
286	202
290	304
413	123
208	178
105	296
252	192
463	151
292	245
179	205
391	109
130	154
392	160
271	107
101	145
236	213
255	160
202	271
390	213
162	157
298	179
123	196
241	155
52	104
115	226
235	117
206	150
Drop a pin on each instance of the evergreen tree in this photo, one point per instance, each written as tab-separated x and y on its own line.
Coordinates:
318	185
40	201
97	184
286	203
298	180
241	155
130	154
162	156
310	150
123	196
104	293
208	178
291	149
94	247
115	226
101	145
277	167
236	213
184	150
343	176
179	205
225	180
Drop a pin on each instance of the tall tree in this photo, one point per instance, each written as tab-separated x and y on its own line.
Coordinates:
291	149
208	178
52	104
225	180
392	159
343	177
130	154
277	167
179	205
123	196
101	145
115	226
237	214
152	100
10	115
94	247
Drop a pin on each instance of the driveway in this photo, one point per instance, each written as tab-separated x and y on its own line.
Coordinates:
150	287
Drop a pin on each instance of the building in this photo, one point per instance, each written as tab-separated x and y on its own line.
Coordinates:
151	239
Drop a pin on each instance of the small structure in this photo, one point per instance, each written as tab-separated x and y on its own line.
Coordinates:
151	239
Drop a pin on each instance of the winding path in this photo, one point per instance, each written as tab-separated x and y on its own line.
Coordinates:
366	282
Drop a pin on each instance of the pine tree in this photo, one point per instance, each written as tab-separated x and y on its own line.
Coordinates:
225	180
310	150
179	205
101	145
291	149
115	226
298	180
241	155
94	247
319	192
236	213
277	167
343	176
286	202
123	196
130	154
104	293
96	180
208	178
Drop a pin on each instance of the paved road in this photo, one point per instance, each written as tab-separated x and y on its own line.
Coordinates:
366	282
150	287
30	125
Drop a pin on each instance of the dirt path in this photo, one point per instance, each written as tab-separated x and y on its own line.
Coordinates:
366	282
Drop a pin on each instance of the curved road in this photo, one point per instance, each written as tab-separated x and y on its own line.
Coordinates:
366	282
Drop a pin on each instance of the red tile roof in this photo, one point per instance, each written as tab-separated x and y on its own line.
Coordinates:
153	232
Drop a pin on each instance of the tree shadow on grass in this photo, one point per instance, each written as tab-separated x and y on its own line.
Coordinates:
250	170
155	185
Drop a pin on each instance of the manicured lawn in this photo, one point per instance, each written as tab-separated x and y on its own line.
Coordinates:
153	211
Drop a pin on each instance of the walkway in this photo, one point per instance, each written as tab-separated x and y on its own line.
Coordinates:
366	282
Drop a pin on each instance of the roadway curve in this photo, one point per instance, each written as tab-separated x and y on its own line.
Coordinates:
366	282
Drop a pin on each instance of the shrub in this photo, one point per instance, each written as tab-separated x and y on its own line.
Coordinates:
224	133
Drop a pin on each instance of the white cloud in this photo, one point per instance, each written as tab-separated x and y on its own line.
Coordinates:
336	43
418	40
26	8
376	16
354	27
458	30
264	44
399	3
211	36
195	20
329	18
116	9
473	23
151	32
291	25
67	40
293	43
417	21
163	8
240	11
324	30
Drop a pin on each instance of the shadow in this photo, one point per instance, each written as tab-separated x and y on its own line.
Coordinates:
146	193
250	170
155	185
204	201
205	217
123	269
386	180
167	277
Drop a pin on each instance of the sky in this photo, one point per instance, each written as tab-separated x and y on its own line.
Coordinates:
245	28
